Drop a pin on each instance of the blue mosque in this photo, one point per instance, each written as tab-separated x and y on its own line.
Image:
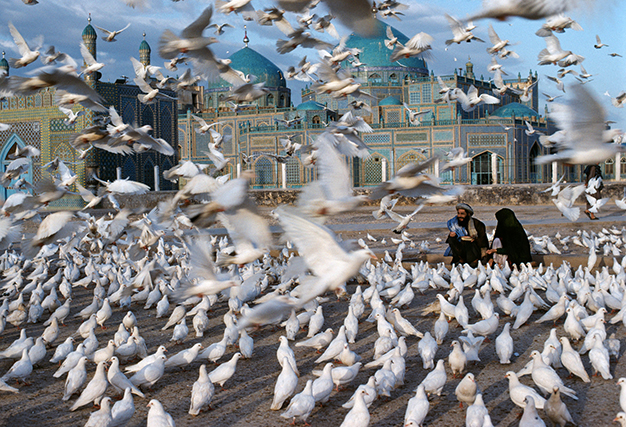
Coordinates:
493	135
35	120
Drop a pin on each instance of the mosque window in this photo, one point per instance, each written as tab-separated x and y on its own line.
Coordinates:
393	116
375	78
407	79
281	101
609	168
393	78
38	100
316	120
264	171
622	167
270	99
426	93
373	170
209	103
293	171
227	135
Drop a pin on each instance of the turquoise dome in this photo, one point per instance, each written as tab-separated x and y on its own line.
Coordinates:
375	54
390	100
249	61
89	31
310	105
515	109
144	46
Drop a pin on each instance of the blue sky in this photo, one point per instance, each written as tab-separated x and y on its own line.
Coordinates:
60	23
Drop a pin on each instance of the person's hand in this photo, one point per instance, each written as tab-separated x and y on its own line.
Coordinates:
452	234
491	251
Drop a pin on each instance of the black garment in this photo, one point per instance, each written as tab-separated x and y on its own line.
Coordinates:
593	171
513	237
465	251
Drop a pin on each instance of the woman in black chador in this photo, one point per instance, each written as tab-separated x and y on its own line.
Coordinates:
510	239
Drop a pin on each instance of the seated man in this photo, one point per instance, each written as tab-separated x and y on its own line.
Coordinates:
467	239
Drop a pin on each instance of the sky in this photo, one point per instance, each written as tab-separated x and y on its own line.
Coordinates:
60	23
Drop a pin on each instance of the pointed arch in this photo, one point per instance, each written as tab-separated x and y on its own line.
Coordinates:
227	135
7	148
411	156
129	169
480	166
372	169
535	170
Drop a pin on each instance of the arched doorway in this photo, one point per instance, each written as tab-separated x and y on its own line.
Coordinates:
535	169
9	147
481	172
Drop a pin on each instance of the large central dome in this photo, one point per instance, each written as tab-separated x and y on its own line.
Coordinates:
374	53
249	61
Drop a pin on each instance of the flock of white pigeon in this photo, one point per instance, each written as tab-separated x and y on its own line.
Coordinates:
100	269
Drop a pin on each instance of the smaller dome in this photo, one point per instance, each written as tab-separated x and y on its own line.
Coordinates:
310	105
515	109
390	100
144	46
89	31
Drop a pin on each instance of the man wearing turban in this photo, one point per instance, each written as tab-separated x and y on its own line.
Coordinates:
467	238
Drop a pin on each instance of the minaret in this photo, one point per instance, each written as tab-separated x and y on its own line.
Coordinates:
4	66
245	36
469	68
89	38
144	51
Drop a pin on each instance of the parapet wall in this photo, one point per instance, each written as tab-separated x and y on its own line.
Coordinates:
482	195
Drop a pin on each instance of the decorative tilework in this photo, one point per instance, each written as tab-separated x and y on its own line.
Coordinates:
376	138
443	135
415	98
485	140
372	170
393	116
412	137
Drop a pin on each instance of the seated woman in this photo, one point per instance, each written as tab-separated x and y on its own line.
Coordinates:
510	241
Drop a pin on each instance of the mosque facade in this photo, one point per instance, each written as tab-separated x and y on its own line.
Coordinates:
492	135
35	120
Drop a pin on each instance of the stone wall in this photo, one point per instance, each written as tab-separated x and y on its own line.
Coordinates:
486	195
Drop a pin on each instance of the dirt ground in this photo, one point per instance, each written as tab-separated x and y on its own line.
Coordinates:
248	394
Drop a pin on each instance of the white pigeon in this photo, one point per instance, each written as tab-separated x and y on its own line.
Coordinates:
224	372
530	417
94	392
123	410
76	377
286	384
201	392
583	120
301	405
417	407
157	417
436	379
504	345
546	378
571	360
28	55
359	415
150	373
519	391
